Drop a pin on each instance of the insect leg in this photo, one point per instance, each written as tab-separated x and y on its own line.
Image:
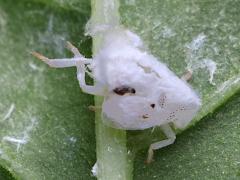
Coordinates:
77	54
74	50
94	108
170	139
61	63
187	76
96	89
80	63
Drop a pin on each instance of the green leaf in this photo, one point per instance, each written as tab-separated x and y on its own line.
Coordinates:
5	175
81	6
50	113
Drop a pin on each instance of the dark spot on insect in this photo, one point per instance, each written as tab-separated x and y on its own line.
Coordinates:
171	116
145	116
152	105
182	108
162	100
123	90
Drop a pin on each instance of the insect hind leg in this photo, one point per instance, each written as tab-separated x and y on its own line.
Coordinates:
187	76
158	145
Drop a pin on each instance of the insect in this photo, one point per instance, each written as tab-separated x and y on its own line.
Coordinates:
139	91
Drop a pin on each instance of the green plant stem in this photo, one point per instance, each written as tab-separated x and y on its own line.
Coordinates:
112	154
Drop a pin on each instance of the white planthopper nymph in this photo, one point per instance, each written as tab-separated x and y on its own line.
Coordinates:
139	91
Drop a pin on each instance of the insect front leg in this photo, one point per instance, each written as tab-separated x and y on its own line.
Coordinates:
96	89
158	145
61	63
64	62
80	62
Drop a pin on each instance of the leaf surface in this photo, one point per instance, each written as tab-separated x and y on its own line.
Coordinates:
49	133
45	110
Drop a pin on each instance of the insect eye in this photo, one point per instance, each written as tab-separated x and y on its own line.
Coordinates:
124	90
152	105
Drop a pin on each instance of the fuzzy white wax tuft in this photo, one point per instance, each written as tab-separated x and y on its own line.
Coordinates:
141	91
